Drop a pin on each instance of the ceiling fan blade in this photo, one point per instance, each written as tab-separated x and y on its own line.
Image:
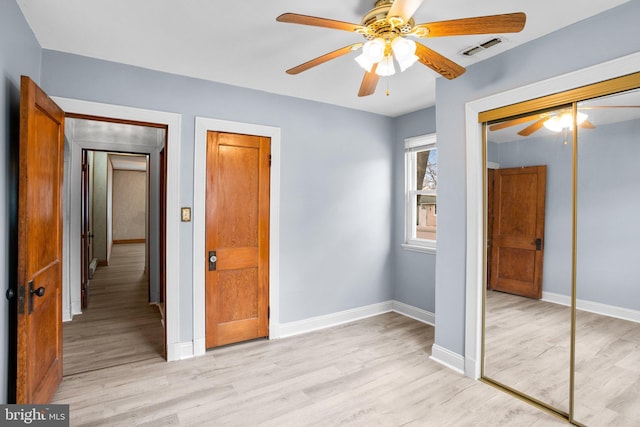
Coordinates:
492	24
324	58
587	125
404	9
294	18
369	82
438	63
513	122
536	126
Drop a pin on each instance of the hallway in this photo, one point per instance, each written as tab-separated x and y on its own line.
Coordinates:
120	326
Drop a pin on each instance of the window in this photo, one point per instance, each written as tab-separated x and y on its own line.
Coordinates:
421	183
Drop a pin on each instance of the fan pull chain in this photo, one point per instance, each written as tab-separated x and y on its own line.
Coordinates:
388	92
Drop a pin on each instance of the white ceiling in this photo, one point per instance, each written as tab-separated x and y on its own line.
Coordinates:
240	43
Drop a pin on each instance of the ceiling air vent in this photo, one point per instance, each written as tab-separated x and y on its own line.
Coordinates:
481	47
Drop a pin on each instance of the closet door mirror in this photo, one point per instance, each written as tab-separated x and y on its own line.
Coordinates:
527	317
607	361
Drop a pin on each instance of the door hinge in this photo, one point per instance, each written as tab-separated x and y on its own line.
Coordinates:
269	160
269	312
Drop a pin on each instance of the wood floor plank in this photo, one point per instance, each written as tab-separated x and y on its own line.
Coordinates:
527	348
119	326
373	372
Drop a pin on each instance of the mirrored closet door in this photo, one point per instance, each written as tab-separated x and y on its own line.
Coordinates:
562	216
527	339
607	339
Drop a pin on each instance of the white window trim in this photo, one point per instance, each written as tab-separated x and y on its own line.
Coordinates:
411	145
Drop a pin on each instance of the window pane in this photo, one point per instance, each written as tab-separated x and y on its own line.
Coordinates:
426	217
427	183
427	170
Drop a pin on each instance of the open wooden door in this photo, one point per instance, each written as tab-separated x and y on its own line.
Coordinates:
237	238
518	230
86	234
39	352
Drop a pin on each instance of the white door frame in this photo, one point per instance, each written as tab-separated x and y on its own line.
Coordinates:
203	125
475	173
173	122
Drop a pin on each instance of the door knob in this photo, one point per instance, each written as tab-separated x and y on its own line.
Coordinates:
212	260
38	292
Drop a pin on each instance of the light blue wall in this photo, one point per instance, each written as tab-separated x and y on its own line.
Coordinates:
415	276
569	49
19	54
608	271
335	179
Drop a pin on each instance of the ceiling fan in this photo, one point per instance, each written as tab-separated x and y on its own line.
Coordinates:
387	28
555	121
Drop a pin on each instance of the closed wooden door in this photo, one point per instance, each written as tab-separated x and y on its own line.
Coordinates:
518	230
237	238
39	364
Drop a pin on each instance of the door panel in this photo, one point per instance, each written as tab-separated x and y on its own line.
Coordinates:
39	365
237	223
518	230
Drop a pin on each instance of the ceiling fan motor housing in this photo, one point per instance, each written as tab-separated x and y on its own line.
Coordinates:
379	26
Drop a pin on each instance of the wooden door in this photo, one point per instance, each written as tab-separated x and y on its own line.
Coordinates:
86	233
39	364
237	238
518	230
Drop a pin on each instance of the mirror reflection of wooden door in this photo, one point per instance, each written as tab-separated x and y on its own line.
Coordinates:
39	351
518	230
237	238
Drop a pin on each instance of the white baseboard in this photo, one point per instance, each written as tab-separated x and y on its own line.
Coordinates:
416	313
334	319
594	307
341	317
447	358
181	351
199	347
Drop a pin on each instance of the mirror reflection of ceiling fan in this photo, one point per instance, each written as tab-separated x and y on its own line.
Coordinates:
555	121
390	28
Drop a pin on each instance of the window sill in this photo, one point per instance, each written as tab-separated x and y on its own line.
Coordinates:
416	248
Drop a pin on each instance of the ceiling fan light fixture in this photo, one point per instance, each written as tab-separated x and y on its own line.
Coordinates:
386	67
564	121
404	51
364	61
403	47
372	53
374	49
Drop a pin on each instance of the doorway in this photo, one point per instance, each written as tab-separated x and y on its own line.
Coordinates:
71	270
203	126
121	288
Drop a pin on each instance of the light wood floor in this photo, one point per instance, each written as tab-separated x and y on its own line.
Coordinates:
119	326
373	372
528	345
